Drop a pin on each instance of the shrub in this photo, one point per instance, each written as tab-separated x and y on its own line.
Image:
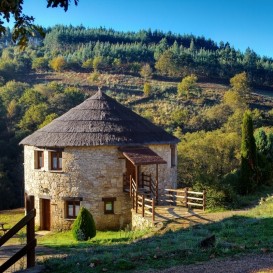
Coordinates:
147	89
84	226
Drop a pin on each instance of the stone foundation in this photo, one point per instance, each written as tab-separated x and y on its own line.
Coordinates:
140	223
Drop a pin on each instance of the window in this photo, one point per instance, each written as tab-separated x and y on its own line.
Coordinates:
72	209
56	160
39	159
109	204
173	163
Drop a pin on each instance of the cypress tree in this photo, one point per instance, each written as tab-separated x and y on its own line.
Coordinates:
248	157
84	227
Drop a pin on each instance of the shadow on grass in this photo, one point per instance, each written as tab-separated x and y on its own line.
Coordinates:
234	235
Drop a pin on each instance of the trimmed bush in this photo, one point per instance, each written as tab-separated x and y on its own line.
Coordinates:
84	227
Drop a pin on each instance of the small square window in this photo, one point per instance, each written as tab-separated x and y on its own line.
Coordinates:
109	205
39	159
56	160
72	209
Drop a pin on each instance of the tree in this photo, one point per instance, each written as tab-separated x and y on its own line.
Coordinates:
84	227
146	72
24	26
239	84
166	64
40	64
249	175
147	89
58	63
33	117
188	86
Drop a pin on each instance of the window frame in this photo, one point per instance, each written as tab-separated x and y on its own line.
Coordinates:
106	201
59	155
37	164
40	165
173	157
74	203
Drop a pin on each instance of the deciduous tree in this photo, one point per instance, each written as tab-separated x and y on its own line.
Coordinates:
188	86
24	26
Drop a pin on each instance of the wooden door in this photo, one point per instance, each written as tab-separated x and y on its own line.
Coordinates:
45	214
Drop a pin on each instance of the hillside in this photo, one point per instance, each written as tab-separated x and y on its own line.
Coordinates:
192	87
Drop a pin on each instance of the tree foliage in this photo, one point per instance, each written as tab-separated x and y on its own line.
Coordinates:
249	171
24	24
84	227
188	87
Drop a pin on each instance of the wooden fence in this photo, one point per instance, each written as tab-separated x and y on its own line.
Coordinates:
29	248
184	197
144	204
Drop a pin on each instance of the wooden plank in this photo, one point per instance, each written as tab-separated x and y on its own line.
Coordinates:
195	204
148	206
195	198
18	255
195	192
174	190
17	227
148	212
180	196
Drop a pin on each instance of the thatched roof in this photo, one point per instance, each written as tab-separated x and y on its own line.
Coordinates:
99	120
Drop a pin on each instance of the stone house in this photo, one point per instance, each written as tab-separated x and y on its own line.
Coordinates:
87	157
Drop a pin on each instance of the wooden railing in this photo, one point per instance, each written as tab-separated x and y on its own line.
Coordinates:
185	197
144	204
146	181
29	248
154	189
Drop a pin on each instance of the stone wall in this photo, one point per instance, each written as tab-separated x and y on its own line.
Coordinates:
90	173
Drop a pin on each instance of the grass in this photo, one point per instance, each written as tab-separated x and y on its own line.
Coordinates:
131	251
65	240
118	252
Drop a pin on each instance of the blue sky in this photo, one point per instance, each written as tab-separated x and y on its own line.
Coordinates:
242	23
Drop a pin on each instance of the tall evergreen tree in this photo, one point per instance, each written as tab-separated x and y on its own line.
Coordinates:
249	177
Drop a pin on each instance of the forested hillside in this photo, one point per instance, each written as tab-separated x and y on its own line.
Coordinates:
191	86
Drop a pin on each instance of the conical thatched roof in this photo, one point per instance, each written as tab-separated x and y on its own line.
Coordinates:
99	120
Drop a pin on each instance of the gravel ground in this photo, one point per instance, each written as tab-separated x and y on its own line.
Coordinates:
244	264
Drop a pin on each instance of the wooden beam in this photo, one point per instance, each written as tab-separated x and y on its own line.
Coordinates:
156	183
30	232
137	177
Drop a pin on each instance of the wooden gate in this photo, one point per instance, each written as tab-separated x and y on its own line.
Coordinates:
29	248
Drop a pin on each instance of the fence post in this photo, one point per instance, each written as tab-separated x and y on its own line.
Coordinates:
133	199
186	196
131	186
30	232
204	200
136	194
143	205
153	208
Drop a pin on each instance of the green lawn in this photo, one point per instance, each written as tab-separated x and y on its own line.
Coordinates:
121	252
128	251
